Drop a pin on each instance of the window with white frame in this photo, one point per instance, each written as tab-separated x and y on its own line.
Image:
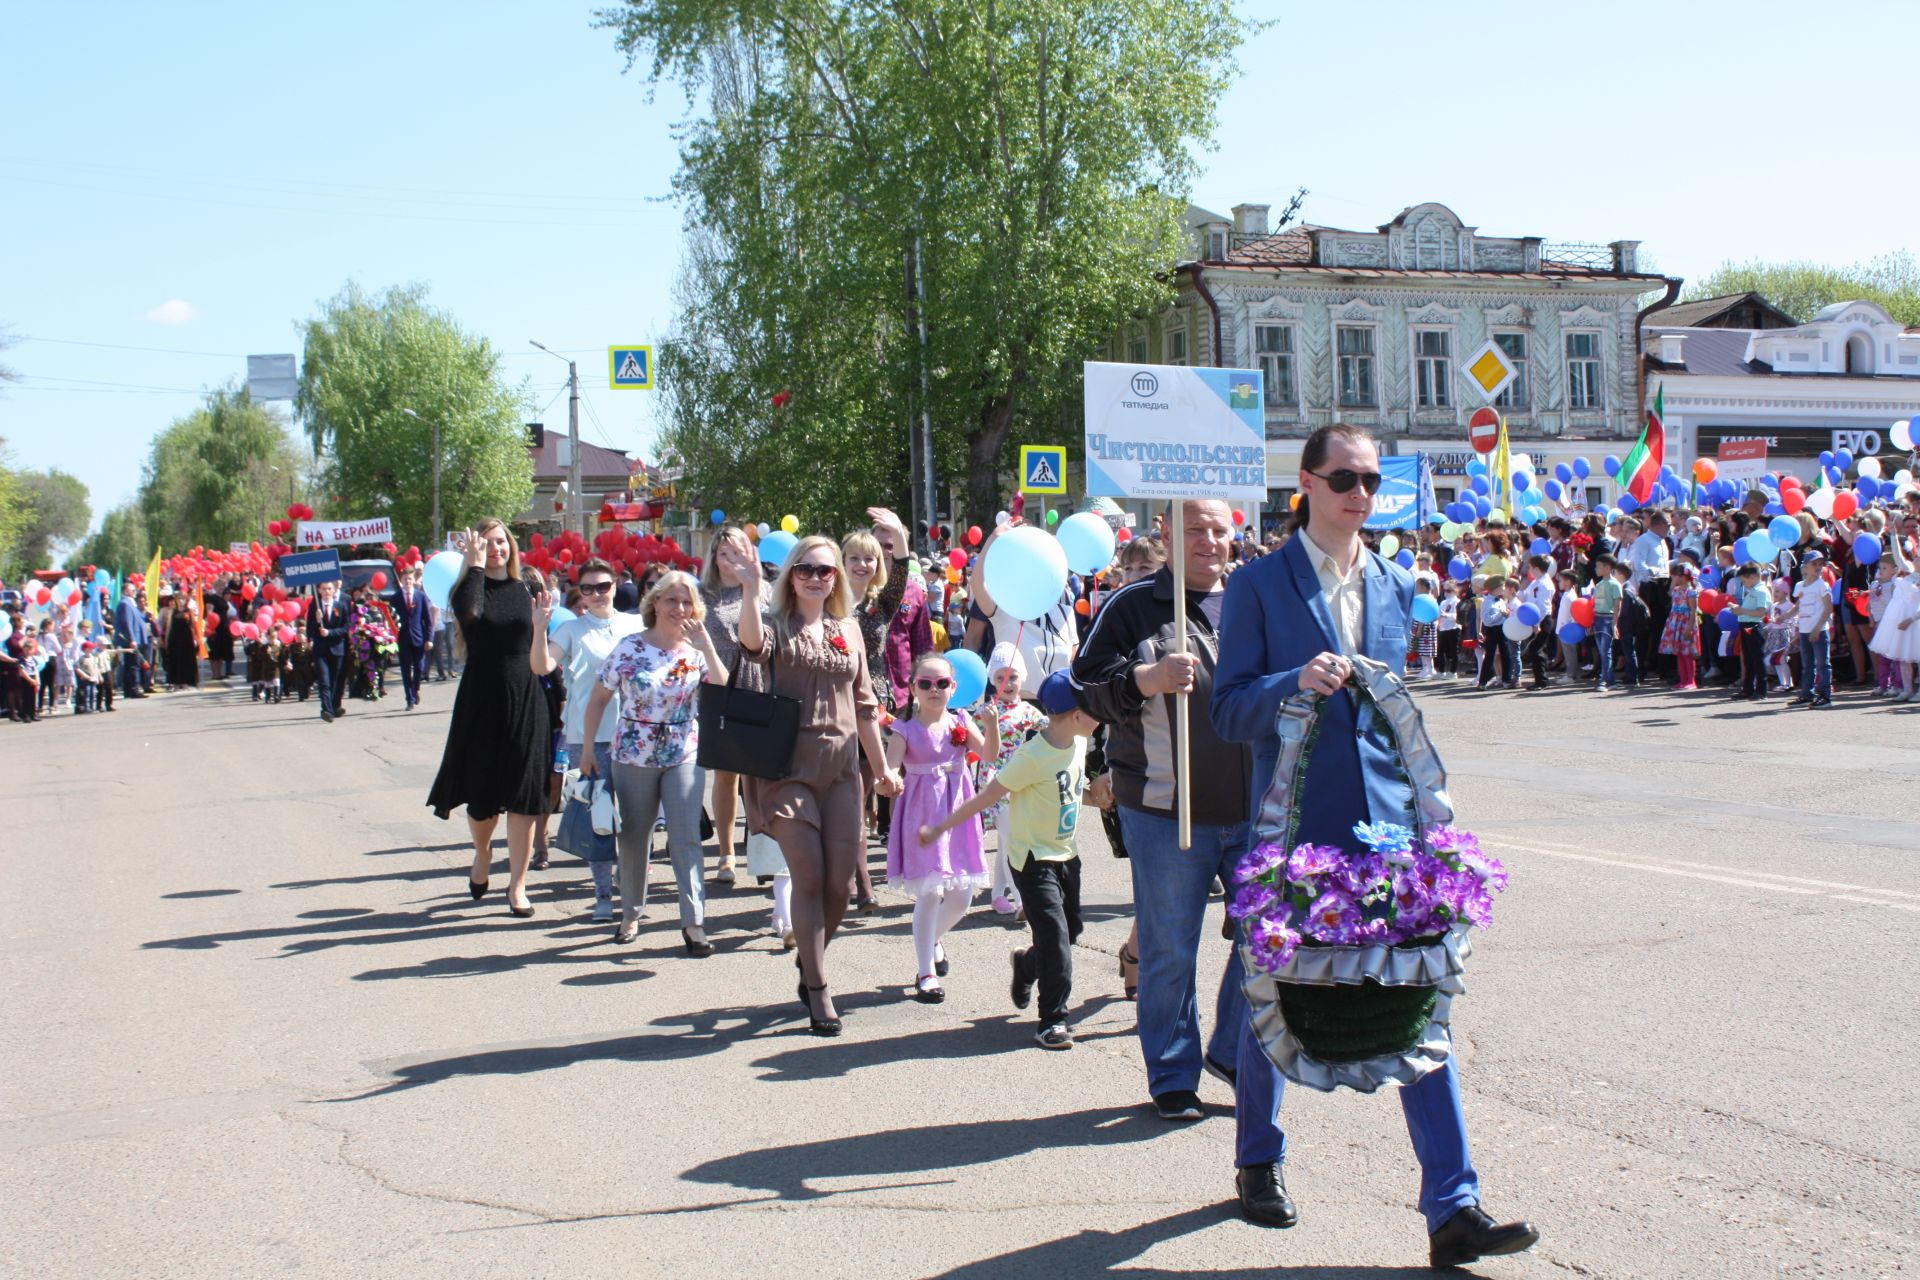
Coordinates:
1137	347
1353	346
1432	368
1216	246
1273	349
1584	390
1175	344
1517	394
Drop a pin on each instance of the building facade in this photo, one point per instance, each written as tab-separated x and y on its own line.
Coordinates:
1373	328
1835	383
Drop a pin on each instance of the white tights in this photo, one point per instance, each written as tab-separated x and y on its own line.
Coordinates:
934	913
783	903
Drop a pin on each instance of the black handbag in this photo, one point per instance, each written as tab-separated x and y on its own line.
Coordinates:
746	731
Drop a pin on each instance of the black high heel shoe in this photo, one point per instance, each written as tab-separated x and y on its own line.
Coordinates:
700	949
819	1026
478	888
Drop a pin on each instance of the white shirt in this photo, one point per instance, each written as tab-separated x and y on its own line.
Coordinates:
1450	614
1539	593
1345	593
1810	599
1647	558
579	647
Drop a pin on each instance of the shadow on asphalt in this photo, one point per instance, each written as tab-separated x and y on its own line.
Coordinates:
1110	1253
200	893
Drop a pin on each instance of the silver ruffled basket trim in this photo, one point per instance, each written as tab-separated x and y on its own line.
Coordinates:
1438	964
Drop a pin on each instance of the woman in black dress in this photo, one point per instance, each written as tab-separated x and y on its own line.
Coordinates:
496	759
183	645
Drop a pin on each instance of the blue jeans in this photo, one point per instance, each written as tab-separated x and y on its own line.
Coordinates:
1171	887
1603	649
1816	669
1435	1122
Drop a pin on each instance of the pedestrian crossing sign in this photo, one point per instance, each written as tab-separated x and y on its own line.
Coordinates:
630	368
1043	468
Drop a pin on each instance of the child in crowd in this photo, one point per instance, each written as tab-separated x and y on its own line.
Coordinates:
1538	592
1493	618
1468	616
93	678
1753	603
1897	639
1447	632
66	651
1606	616
1681	636
1425	634
1632	622
1566	593
1813	620
930	748
1010	721
1780	635
1886	577
1044	784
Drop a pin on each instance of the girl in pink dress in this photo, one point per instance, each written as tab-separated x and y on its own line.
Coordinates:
931	749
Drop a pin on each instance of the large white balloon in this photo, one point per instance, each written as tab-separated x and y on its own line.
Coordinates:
1088	541
1870	468
1901	433
1820	502
1515	629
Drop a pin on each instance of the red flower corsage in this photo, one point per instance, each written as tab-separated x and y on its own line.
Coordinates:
838	641
1582	540
959	734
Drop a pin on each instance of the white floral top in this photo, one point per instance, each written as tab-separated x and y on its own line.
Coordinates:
659	691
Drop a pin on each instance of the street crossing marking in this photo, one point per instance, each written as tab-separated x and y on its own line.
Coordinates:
1742	876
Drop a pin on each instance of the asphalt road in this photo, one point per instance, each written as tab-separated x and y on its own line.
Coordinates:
254	1026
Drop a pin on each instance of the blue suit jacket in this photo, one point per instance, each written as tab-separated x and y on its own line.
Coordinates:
416	621
129	624
1275	621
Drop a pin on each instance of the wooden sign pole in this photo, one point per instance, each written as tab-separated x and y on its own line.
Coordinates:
1183	711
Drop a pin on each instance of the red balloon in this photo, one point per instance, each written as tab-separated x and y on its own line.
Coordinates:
1792	500
1239	517
973	535
1123	535
379	580
1582	612
1845	503
957	558
44	595
249	591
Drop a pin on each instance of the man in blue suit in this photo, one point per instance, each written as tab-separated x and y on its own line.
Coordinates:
327	634
1290	622
129	633
414	618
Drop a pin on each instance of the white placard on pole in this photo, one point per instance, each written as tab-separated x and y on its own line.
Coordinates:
1176	432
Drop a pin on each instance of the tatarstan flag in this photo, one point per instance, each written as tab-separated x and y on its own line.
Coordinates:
1640	471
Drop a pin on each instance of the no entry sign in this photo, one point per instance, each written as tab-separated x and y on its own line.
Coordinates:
1483	430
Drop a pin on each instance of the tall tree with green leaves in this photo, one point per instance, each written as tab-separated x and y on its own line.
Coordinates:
1801	288
120	543
1024	163
53	509
217	475
370	357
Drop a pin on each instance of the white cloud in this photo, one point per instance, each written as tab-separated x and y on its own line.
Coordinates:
173	311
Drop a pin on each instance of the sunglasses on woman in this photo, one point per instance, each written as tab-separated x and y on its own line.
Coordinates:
1341	480
924	685
595	588
815	572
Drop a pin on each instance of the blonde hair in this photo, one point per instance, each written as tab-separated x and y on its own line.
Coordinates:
710	571
649	603
839	603
513	547
863	541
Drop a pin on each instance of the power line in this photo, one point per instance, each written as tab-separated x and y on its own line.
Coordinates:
122	346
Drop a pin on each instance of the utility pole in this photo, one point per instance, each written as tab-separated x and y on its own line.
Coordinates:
925	502
577	517
437	532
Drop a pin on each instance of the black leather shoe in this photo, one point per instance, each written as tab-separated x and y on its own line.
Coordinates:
1470	1234
1263	1197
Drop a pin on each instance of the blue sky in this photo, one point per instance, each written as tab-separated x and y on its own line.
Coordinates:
183	184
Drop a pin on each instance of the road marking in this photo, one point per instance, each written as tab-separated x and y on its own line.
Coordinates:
1853	893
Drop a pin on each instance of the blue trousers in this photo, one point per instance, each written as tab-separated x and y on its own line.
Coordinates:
413	668
1171	887
327	671
1603	650
1435	1122
1816	670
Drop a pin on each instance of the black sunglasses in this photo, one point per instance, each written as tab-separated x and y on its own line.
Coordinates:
595	588
811	572
1342	480
928	686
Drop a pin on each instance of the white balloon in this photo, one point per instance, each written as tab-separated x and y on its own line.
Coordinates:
1515	629
1389	545
1820	502
1901	433
1903	476
1901	490
1870	468
1000	518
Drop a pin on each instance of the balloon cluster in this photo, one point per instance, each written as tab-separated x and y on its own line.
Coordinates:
563	554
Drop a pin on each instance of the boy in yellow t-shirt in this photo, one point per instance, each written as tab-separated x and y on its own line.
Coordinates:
1043	784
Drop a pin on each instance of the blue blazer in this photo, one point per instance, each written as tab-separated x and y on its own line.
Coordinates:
129	624
415	621
1276	620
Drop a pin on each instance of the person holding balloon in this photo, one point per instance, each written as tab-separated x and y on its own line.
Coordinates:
498	751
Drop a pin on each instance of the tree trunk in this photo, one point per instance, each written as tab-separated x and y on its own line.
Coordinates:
984	442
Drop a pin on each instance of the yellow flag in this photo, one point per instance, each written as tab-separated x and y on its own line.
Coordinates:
1503	470
152	583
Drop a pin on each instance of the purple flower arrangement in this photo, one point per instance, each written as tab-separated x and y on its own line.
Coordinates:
1393	894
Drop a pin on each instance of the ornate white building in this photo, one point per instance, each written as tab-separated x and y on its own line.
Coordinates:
1372	327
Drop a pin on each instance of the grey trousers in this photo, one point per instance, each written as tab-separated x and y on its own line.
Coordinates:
643	791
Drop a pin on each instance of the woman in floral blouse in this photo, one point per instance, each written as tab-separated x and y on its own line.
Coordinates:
658	673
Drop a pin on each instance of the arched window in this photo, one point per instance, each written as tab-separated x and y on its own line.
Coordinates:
1859	354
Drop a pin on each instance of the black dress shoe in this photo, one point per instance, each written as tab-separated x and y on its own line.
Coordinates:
1471	1234
1263	1196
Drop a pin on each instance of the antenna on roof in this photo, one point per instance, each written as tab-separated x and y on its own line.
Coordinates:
1293	207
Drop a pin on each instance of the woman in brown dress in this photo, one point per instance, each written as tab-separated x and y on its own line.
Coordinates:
814	654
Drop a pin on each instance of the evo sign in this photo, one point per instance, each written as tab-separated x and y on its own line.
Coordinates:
1171	431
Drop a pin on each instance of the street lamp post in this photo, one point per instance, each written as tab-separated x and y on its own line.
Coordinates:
578	513
435	424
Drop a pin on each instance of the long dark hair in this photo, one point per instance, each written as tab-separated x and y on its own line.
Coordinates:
1313	456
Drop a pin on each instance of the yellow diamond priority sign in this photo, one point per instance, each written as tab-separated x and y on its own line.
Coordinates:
1490	370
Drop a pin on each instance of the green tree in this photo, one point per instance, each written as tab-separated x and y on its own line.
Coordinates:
217	475
1030	159
52	508
370	357
1801	289
120	543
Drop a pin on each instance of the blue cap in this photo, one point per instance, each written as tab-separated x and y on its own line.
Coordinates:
1057	695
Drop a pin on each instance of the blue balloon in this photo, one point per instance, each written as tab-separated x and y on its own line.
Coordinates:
1867	488
1554	489
1425	609
1826	457
1728	620
1534	515
1784	530
1582	468
1563	473
1479	485
1475	467
1026	572
1611	465
1520	481
1529	615
1843	460
1773	508
560	614
969	677
438	575
1572	633
1482	507
1460	569
1710	577
1835	475
1866	549
1540	547
1756	547
1628	504
718	516
775	547
1404	559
